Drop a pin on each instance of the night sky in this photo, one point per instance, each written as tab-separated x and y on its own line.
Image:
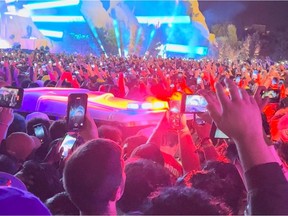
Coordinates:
273	14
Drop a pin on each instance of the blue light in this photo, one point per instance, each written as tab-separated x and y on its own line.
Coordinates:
52	4
9	1
19	13
11	8
201	50
137	38
177	48
117	34
95	34
98	40
158	20
58	19
152	34
48	33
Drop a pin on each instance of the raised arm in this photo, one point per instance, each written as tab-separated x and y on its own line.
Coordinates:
6	118
235	117
239	117
189	157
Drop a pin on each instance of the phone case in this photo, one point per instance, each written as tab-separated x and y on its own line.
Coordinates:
76	111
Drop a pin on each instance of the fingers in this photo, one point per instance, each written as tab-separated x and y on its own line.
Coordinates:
259	91
233	89
244	94
222	97
214	107
6	110
89	118
262	102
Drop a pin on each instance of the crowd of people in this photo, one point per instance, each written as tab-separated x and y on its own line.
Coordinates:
167	169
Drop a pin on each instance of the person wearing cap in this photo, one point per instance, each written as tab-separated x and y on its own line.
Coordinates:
14	201
20	145
9	180
37	115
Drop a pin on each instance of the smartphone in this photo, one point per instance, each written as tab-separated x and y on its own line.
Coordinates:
199	80
76	111
67	144
39	131
238	79
255	74
193	104
274	81
11	97
273	95
215	133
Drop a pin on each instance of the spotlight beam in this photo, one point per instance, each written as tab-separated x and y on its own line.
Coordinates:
54	4
49	33
58	19
158	20
117	34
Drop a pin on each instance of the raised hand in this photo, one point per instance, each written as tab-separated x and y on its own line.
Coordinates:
236	114
89	130
262	102
6	116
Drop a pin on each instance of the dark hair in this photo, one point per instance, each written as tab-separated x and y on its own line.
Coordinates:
7	164
33	85
222	181
45	178
18	124
110	132
25	83
130	143
51	84
93	174
46	83
185	201
58	129
142	177
66	84
60	204
150	152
